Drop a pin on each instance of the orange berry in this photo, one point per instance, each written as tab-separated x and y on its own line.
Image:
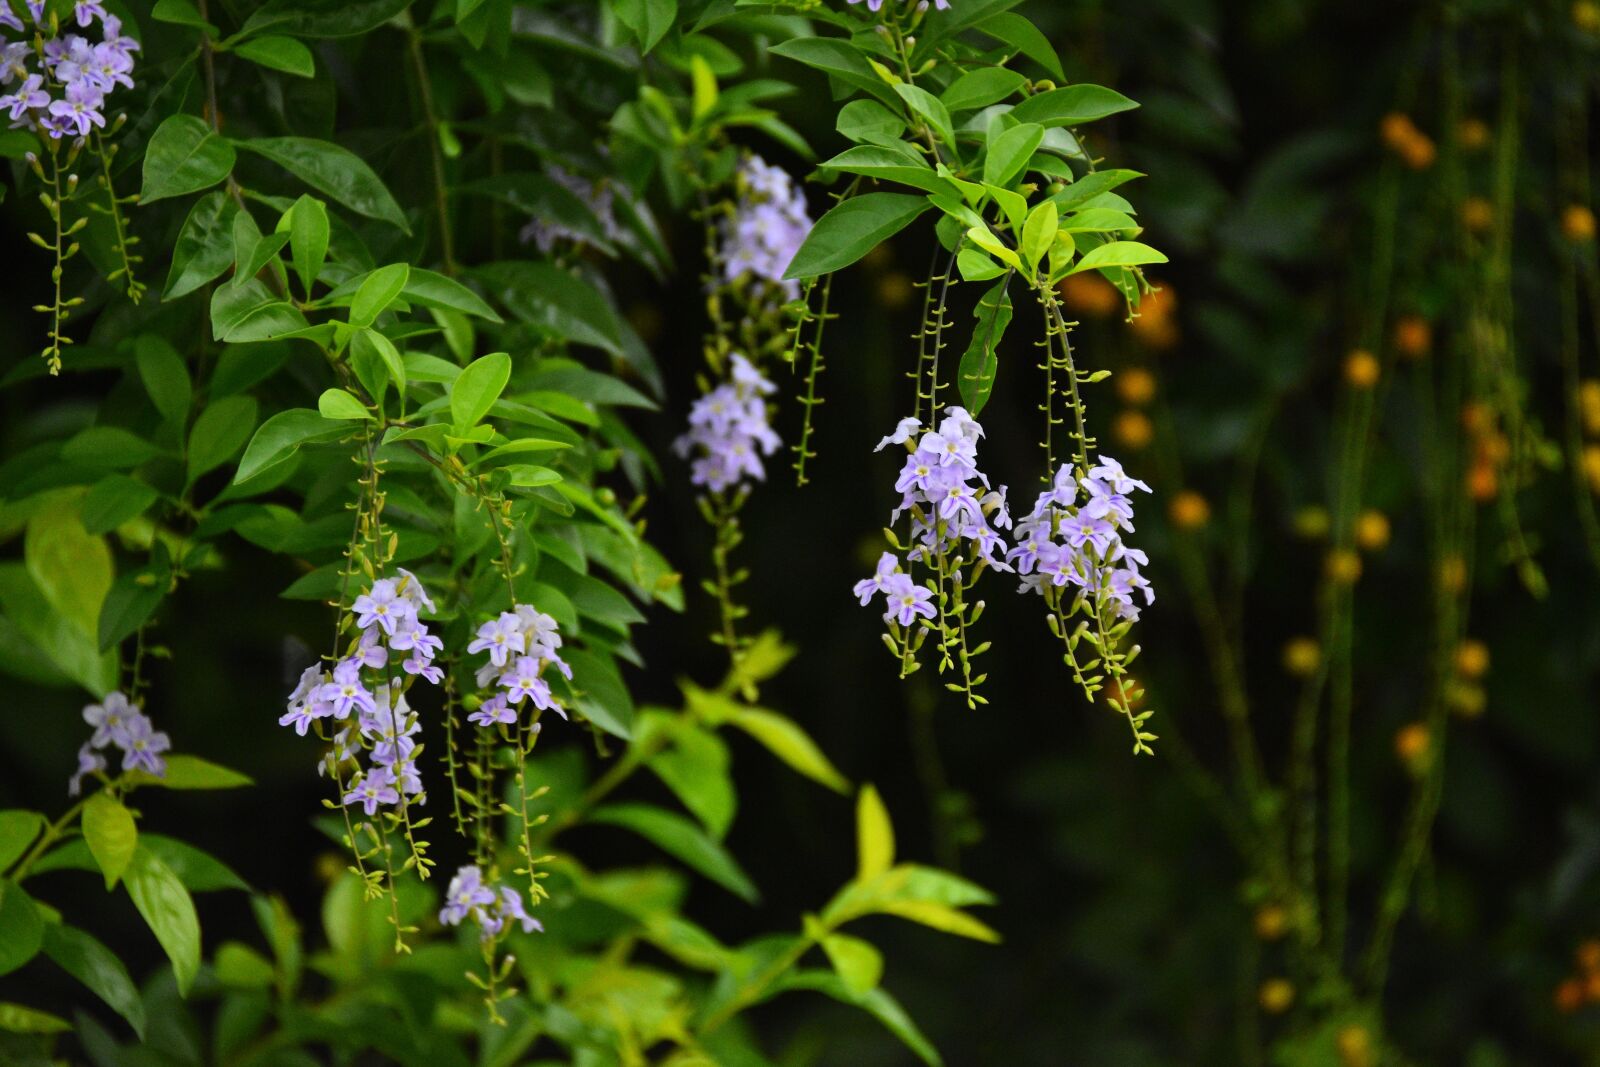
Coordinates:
1354	1045
1476	417
1372	530
1156	323
1413	337
895	290
1482	482
1591	986
1397	130
1412	744
1589	405
1465	699
1189	510
1473	134
1591	466
1343	566
1133	430
1361	369
1588	955
1276	995
1577	223
1472	663
1271	922
1569	995
1090	294
1301	655
1419	152
1135	386
1477	214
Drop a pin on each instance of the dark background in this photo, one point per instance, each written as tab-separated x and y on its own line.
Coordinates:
1127	934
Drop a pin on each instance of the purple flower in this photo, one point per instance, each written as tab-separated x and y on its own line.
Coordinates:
110	720
907	600
89	762
728	430
492	711
383	605
499	637
879	582
466	894
904	431
375	787
511	909
144	747
86	11
412	589
81	108
766	228
28	97
522	682
346	693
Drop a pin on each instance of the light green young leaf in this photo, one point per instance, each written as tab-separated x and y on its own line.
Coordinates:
339	404
308	239
476	388
1118	254
169	912
874	835
857	961
1009	153
378	290
109	830
683	840
1039	232
279	53
784	738
930	109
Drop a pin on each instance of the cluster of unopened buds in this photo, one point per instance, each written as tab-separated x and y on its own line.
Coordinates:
521	643
60	81
1073	536
491	906
363	685
728	430
119	723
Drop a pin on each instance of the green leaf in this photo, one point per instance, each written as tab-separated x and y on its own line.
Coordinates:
314	18
876	1002
308	239
181	13
54	639
130	603
21	1019
112	836
107	447
683	840
242	967
430	289
695	768
648	19
930	109
867	121
249	311
279	53
1038	233
378	290
981	87
219	432
857	961
204	248
1071	105
784	738
940	917
169	912
97	967
184	156
192	772
476	388
851	229
21	927
1009	153
281	436
334	171
165	376
1117	254
836	58
383	350
888	164
70	567
1025	37
338	404
874	835
556	301
977	267
114	500
18	830
979	362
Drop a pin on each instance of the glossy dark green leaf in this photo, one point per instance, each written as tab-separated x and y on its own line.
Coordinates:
317	18
184	156
218	434
979	362
281	436
334	171
97	967
1071	105
204	249
132	600
114	500
279	53
853	228
21	927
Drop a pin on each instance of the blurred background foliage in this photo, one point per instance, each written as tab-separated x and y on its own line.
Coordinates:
1133	932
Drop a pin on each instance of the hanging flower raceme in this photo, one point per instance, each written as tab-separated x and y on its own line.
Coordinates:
119	723
728	430
953	514
520	643
493	907
365	692
60	81
1073	537
769	221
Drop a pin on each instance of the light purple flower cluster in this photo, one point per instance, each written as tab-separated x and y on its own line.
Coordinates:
767	227
521	643
877	5
728	430
1065	542
905	598
62	81
948	496
120	723
492	907
597	196
384	726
